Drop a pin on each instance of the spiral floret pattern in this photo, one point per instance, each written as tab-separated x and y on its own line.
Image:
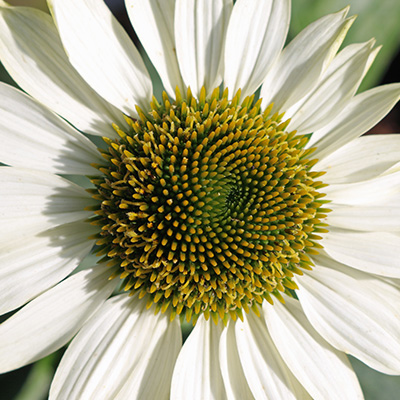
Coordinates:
208	205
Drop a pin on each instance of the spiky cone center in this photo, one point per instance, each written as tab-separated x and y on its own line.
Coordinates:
208	205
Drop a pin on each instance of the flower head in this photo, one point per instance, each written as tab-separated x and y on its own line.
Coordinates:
208	204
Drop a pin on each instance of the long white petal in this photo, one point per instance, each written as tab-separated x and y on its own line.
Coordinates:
101	51
381	216
374	252
301	64
354	312
366	192
153	21
159	360
256	35
200	28
337	86
31	51
37	199
361	159
361	113
32	136
52	319
236	386
266	372
124	351
325	372
30	266
197	373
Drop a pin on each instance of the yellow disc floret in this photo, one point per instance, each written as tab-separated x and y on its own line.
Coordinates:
208	205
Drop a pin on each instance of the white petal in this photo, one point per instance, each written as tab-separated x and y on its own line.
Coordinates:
37	199
361	159
52	319
380	216
236	386
31	50
153	21
32	136
256	35
371	191
354	312
124	351
374	252
197	373
301	64
101	51
267	374
158	360
30	266
392	169
361	113
200	28
325	372
337	86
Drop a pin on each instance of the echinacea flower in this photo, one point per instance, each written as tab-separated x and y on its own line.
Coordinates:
270	224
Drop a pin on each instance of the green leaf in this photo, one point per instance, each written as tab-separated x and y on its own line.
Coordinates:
376	18
36	386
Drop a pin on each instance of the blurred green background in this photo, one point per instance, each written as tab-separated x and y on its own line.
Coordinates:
376	18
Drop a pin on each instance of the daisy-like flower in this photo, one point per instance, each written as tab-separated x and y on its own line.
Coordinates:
270	224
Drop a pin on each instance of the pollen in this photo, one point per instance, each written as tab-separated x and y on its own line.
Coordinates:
208	206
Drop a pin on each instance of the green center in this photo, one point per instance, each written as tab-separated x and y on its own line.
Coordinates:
208	205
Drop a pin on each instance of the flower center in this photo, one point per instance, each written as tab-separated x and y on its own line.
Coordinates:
208	206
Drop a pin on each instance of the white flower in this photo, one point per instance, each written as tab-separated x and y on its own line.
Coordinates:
81	73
